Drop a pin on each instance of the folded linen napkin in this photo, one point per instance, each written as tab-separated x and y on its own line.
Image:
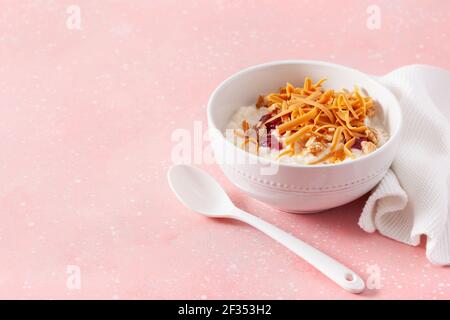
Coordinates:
413	199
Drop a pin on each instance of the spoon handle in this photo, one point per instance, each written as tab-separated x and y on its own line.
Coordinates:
337	272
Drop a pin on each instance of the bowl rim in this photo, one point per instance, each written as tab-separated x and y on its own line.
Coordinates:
392	137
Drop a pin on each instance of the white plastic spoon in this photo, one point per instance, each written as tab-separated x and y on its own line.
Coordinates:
200	192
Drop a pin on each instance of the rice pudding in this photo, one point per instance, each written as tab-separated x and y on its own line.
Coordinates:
309	125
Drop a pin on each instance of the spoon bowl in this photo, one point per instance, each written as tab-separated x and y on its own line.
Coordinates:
199	191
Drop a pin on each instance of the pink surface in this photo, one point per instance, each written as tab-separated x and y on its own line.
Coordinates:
86	120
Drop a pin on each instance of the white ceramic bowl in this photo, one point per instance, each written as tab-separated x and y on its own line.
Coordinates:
299	188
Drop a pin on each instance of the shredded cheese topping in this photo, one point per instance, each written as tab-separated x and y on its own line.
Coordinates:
326	123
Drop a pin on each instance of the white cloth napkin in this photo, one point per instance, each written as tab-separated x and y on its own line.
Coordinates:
413	199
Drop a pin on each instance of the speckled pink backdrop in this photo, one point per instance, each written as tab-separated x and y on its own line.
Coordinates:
86	118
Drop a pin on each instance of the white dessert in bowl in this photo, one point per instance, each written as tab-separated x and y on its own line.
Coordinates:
292	183
269	127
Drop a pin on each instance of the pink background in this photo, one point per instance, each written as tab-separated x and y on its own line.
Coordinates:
86	119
